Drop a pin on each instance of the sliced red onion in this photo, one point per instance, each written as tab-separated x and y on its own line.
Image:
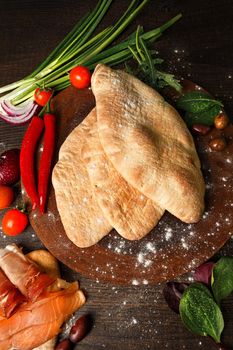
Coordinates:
19	119
12	110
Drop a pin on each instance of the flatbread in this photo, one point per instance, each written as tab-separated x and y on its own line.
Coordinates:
132	214
83	220
148	143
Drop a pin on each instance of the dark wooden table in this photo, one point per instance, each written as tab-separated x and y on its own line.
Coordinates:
198	47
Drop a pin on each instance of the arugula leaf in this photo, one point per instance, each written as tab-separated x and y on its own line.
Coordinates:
196	102
222	278
167	79
206	116
200	313
147	62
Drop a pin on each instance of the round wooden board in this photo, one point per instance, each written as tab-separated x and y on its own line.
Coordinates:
173	247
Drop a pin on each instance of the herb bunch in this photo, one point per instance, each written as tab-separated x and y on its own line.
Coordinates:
148	63
199	303
81	47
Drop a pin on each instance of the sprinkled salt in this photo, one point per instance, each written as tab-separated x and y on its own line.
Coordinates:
168	233
140	258
135	282
150	246
185	245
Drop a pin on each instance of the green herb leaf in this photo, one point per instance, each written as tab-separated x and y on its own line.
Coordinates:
147	65
196	102
200	313
206	116
222	278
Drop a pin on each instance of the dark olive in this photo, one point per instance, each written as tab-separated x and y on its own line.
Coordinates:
217	144
80	329
221	121
64	345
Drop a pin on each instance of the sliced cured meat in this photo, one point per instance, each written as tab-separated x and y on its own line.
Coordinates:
10	296
36	322
23	273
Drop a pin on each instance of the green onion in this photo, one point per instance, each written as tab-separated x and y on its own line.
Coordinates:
78	47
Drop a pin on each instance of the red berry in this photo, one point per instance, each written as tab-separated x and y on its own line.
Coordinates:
9	167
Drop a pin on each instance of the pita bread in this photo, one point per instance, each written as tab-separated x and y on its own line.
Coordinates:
148	143
83	221
132	214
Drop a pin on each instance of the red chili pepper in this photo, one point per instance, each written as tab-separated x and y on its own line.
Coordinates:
46	159
27	156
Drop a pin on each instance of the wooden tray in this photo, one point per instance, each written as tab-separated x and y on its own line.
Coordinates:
173	247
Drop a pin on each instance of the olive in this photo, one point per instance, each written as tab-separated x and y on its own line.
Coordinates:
221	121
64	345
201	129
217	144
80	329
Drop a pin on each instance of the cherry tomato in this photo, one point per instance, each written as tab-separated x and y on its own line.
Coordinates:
80	77
6	196
42	96
14	222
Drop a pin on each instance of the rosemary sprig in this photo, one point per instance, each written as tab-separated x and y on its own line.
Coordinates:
147	65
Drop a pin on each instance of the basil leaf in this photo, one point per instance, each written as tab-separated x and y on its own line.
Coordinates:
222	278
204	117
196	102
200	313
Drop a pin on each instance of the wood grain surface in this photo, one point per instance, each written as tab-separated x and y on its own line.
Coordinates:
198	47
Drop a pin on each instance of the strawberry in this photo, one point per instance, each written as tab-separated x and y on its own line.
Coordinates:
9	167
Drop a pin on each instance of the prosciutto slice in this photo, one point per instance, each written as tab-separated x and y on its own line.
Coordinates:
23	273
10	296
36	322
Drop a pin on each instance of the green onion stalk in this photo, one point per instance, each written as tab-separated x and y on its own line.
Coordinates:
79	47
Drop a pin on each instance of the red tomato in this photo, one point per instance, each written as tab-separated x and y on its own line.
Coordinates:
42	96
6	196
14	222
80	77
